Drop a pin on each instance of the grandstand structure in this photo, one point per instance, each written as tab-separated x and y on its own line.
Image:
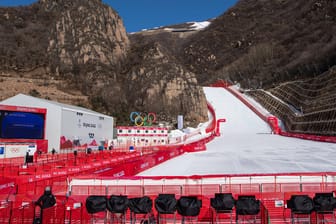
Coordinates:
102	174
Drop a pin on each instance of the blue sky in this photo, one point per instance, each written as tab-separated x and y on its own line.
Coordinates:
144	14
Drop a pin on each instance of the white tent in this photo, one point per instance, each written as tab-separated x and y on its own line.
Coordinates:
67	122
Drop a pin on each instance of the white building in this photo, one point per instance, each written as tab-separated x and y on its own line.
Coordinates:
68	126
141	136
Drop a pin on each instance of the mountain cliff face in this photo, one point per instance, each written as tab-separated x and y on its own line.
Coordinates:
88	35
162	83
81	47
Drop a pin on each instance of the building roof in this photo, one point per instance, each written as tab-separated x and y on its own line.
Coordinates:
63	105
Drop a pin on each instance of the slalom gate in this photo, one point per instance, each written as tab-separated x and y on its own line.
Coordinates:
84	183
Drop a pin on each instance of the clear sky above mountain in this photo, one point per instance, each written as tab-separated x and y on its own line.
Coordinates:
146	14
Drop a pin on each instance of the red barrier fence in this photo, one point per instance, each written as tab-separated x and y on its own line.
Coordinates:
272	194
319	138
271	190
213	124
32	178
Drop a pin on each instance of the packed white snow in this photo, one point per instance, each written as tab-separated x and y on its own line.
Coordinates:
246	146
200	25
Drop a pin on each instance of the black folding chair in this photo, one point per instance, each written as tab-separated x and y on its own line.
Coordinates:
165	205
301	207
96	207
189	208
222	203
117	205
324	206
141	206
247	209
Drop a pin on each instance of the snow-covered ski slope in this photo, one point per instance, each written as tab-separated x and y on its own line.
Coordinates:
246	146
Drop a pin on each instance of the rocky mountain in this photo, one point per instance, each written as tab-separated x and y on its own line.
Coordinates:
281	52
80	48
74	46
263	43
79	52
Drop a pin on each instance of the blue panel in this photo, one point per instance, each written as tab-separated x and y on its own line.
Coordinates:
21	125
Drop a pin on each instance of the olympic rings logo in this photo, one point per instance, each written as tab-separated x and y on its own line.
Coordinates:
14	150
142	118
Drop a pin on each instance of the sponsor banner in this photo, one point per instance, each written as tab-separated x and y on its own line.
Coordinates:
119	174
60	173
17	150
97	164
23	109
81	129
31	149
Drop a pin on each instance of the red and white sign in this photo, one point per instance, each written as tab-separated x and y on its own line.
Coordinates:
19	150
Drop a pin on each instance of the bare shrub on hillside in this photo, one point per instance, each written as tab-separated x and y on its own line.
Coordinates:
251	65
